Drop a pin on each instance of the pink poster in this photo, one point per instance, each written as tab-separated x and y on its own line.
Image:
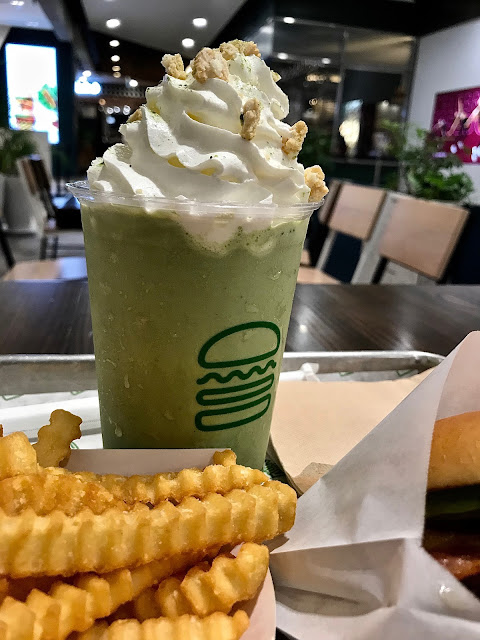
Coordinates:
456	116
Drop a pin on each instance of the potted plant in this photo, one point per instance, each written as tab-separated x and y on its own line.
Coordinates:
426	170
13	193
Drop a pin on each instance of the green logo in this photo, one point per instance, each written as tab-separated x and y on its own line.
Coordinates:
237	404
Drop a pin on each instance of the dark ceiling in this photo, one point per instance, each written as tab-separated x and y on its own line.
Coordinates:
416	18
411	18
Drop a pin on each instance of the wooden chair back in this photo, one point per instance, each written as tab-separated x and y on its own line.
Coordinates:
356	210
325	211
422	235
26	170
40	172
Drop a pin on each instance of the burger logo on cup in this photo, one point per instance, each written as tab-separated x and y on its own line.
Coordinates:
236	390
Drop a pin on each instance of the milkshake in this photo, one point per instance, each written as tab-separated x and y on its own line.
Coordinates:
194	229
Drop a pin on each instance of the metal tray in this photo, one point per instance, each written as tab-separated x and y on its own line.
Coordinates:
49	373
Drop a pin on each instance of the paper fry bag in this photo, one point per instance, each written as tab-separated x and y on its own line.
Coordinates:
353	566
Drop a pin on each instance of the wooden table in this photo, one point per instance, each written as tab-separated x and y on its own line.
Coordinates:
54	317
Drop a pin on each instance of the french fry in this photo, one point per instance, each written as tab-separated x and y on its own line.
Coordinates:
17	456
226	458
56	544
217	626
16	622
55	438
170	600
44	493
75	607
206	588
228	581
3	589
20	589
145	606
97	632
154	489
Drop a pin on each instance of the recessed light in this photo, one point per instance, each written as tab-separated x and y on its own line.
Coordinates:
87	73
115	67
102	101
17	3
133	83
115	58
326	60
117	74
289	19
199	22
114	43
188	43
282	56
113	23
116	109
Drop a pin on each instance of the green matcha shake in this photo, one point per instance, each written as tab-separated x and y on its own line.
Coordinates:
188	340
194	229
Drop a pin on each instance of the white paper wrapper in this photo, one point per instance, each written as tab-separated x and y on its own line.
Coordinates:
353	568
261	609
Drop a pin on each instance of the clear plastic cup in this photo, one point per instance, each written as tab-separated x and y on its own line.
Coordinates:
190	308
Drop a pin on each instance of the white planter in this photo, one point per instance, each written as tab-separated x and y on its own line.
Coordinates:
17	207
2	196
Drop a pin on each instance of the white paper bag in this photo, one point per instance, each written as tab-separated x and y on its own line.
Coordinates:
353	566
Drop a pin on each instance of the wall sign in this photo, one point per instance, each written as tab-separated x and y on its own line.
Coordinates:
456	116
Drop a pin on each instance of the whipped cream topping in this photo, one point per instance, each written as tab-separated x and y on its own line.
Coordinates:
186	142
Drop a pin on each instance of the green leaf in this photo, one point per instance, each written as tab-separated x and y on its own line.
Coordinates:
13	146
429	171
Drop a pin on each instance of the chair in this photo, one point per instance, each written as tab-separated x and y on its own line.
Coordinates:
354	213
420	236
34	172
326	210
72	268
7	252
317	228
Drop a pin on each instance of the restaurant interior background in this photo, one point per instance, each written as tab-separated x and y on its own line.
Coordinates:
71	71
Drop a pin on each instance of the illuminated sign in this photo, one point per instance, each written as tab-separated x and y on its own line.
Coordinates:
32	89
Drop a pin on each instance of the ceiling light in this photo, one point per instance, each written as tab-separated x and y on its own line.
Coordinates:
115	67
289	19
83	87
102	101
282	56
117	74
326	60
188	43
17	3
113	23
133	83
116	109
115	58
199	22
114	43
87	74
